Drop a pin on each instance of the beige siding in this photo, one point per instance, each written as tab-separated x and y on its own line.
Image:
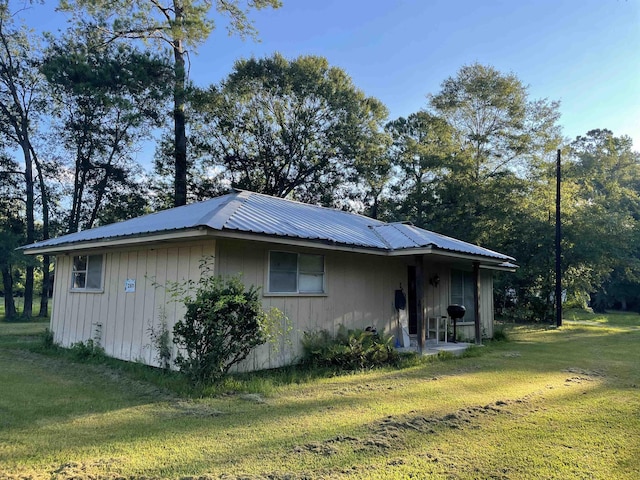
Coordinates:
438	297
359	293
119	321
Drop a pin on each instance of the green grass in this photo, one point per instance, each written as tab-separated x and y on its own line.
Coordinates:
548	403
19	302
610	318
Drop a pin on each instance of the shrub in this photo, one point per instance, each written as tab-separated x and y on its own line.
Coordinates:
348	350
222	324
500	335
86	350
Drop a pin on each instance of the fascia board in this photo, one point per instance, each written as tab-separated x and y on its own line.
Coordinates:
203	232
117	242
318	244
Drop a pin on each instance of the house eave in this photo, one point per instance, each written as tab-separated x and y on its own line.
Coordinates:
486	261
124	241
203	232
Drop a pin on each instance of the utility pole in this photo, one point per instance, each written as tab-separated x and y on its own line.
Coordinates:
558	248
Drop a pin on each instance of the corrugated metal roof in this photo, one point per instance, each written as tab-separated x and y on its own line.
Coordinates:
249	212
401	235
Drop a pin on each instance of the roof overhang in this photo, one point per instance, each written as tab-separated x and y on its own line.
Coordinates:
203	232
125	241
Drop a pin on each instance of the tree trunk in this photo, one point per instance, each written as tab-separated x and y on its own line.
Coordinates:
30	205
46	287
179	117
7	283
46	261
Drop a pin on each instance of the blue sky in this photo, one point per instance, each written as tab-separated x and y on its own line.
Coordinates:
585	53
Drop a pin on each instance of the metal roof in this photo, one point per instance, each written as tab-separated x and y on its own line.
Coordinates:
253	213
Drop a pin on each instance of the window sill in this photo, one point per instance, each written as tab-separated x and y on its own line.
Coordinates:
463	324
293	294
86	290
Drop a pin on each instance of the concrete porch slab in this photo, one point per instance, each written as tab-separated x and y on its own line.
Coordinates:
434	348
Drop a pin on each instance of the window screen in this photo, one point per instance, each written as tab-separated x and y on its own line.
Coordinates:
87	272
296	273
462	292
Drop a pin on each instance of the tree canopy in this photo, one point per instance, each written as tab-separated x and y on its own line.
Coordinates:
476	163
179	25
287	128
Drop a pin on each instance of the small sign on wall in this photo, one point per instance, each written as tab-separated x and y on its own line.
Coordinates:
130	285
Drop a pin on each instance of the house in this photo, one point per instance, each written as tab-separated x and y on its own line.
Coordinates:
321	267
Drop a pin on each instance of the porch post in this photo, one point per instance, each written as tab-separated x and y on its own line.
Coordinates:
419	302
476	301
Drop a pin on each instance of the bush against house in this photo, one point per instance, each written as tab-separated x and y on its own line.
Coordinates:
349	349
221	326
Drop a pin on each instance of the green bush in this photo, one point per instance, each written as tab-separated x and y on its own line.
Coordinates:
348	350
500	335
222	324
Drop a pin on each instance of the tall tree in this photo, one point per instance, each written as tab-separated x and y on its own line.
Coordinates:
288	128
108	98
179	25
500	137
22	101
604	252
421	153
11	228
496	124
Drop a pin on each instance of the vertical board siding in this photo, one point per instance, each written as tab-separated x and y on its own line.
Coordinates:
125	318
486	302
359	293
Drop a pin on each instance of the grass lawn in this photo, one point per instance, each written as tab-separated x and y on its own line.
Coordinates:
19	302
548	403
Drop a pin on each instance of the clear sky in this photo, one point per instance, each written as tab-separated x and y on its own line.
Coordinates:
585	53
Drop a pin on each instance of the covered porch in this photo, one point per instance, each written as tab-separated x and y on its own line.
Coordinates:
437	280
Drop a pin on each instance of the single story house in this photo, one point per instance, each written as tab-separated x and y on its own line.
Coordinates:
321	267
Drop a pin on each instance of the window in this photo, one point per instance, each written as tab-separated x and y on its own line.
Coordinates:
295	273
87	272
462	292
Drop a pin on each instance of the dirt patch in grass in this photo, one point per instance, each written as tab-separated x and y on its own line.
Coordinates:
580	375
389	432
392	427
185	408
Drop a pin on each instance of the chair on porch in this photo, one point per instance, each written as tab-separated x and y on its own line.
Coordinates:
436	326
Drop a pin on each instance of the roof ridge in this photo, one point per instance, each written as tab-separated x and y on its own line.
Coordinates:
409	224
374	229
321	207
225	211
395	225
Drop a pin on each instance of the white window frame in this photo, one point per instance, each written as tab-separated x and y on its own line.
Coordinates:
297	291
75	273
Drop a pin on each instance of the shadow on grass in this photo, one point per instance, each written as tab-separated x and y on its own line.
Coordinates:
74	407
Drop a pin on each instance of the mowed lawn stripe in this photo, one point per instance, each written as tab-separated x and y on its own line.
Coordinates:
547	404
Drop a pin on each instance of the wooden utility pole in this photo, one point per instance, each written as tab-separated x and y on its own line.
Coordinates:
558	248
